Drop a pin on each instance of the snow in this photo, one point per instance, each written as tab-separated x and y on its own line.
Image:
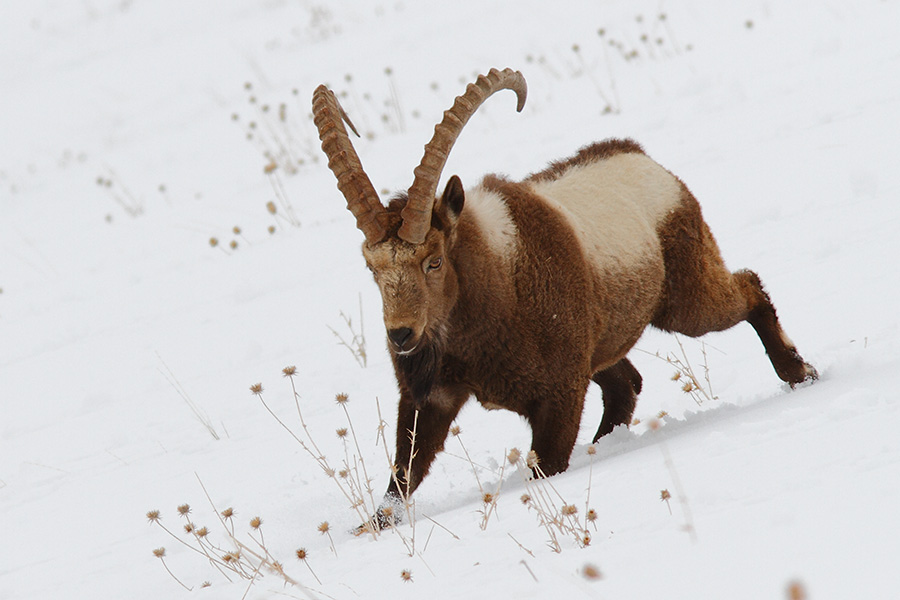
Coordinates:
117	315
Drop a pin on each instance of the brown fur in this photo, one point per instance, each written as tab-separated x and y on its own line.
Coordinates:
530	333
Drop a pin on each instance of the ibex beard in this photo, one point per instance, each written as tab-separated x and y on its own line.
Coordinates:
521	293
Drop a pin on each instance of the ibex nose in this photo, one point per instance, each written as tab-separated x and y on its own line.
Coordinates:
400	336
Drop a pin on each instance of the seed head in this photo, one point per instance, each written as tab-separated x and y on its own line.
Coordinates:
687	387
342	432
513	456
343	473
341	398
526	499
592	450
455	430
159	552
532	459
664	495
270	206
202	532
289	371
269	169
591	515
406	575
324	527
591	572
228	513
487	498
569	509
184	509
256	388
676	376
213	242
189	528
301	554
796	591
255	522
271	229
387	511
153	516
236	229
662	414
233	244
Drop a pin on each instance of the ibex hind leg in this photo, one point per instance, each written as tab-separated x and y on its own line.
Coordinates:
620	383
702	295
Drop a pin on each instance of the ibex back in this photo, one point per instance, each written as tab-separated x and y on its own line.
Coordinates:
521	293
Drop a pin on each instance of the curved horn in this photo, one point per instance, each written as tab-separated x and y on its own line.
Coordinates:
417	212
352	181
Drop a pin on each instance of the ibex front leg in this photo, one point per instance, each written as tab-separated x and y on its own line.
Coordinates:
420	436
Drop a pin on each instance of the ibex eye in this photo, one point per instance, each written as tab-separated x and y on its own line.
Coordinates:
435	264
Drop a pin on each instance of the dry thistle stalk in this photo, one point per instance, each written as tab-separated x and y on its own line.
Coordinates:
303	556
664	496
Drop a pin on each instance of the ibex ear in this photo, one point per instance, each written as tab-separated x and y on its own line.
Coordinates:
453	199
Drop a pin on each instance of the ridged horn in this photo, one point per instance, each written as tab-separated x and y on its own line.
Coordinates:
352	181
417	212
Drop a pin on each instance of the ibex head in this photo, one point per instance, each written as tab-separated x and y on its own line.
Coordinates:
408	243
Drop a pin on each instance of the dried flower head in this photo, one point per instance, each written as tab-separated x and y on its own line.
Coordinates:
228	513
302	554
592	450
202	532
153	516
343	473
513	456
189	528
233	245
406	575
591	572
270	206
213	242
664	495
526	499
184	509
455	430
341	398
532	459
256	388
676	376
662	414
487	498
270	168
654	424
591	515
255	522
796	591
289	371
341	432
569	509
159	552
687	387
324	527
271	229
387	511
236	229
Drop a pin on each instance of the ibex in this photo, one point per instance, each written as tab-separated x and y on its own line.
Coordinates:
520	293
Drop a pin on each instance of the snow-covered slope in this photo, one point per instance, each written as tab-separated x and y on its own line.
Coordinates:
125	149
